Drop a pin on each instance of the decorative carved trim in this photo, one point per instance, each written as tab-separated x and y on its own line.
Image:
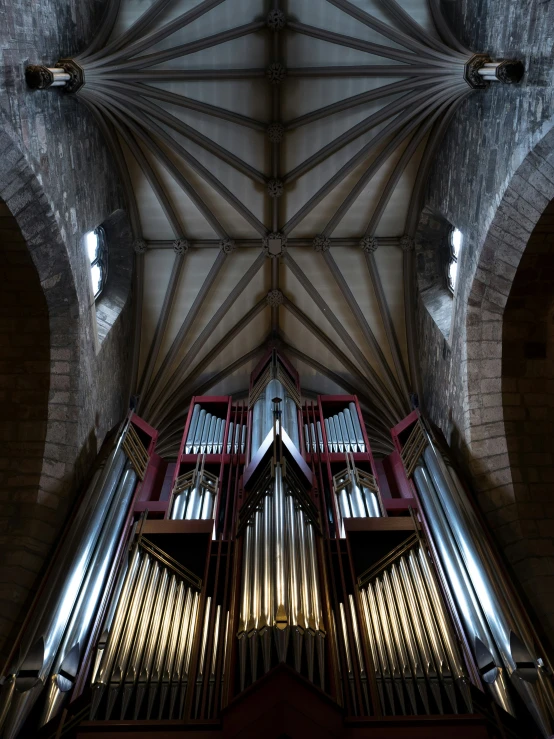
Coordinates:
471	70
38	77
275	188
274	298
276	20
321	243
510	71
276	73
227	246
273	249
140	246
275	132
76	74
369	244
180	246
407	243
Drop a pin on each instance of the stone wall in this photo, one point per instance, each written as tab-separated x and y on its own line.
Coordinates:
487	183
58	181
528	400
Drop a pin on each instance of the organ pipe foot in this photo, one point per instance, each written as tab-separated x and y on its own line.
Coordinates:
534	703
139	698
320	647
20	708
182	694
198	694
97	693
465	691
54	701
127	692
6	697
152	691
113	690
390	696
243	644
281	644
163	697
173	698
400	696
265	638
436	691
253	642
411	695
297	648
381	695
366	697
309	641
424	695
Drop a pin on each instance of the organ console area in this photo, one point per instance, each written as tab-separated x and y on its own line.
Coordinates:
276	578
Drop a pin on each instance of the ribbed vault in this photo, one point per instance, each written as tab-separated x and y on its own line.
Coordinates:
274	158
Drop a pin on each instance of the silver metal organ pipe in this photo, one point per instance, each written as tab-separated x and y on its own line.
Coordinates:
328	435
359	654
192	429
211	435
43	635
296	611
205	433
203	649
215	647
177	672
281	566
230	438
373	648
139	640
185	672
264	555
483	647
244	614
395	668
67	660
516	655
350	429
334	438
307	591
349	666
161	646
344	432
307	440
145	673
171	646
320	437
257	621
389	668
243	439
198	432
357	427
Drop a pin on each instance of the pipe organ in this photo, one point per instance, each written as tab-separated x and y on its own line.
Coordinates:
275	556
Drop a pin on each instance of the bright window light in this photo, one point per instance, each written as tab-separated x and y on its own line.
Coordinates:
97	252
456	240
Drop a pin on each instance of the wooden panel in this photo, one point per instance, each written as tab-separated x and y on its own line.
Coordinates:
165	526
392	523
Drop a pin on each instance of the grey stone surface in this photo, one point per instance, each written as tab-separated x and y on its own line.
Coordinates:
57	179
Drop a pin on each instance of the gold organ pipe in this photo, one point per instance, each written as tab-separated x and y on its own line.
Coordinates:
109	652
401	649
161	645
139	640
126	643
358	645
171	646
150	646
176	674
384	622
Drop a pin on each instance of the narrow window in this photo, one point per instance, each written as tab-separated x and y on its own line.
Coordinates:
97	251
456	239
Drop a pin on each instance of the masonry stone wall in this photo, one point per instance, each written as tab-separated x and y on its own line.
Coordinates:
493	178
57	180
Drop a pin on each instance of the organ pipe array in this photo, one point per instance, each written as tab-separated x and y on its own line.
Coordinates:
274	541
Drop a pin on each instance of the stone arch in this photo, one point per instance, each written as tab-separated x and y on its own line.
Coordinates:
28	534
500	493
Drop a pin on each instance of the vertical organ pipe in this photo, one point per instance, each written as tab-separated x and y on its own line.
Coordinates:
42	637
476	628
357	427
68	658
477	557
192	429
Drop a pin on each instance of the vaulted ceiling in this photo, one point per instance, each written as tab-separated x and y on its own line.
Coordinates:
274	157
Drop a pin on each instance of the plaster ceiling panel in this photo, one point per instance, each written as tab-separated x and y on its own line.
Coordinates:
236	383
397	208
234	268
296	293
198	263
129	12
247	97
196	224
312	381
389	263
302	339
152	217
249	338
159	262
307	186
224	16
243	52
305	51
314	266
352	263
248	145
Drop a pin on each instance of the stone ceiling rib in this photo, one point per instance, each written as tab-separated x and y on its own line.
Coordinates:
201	166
